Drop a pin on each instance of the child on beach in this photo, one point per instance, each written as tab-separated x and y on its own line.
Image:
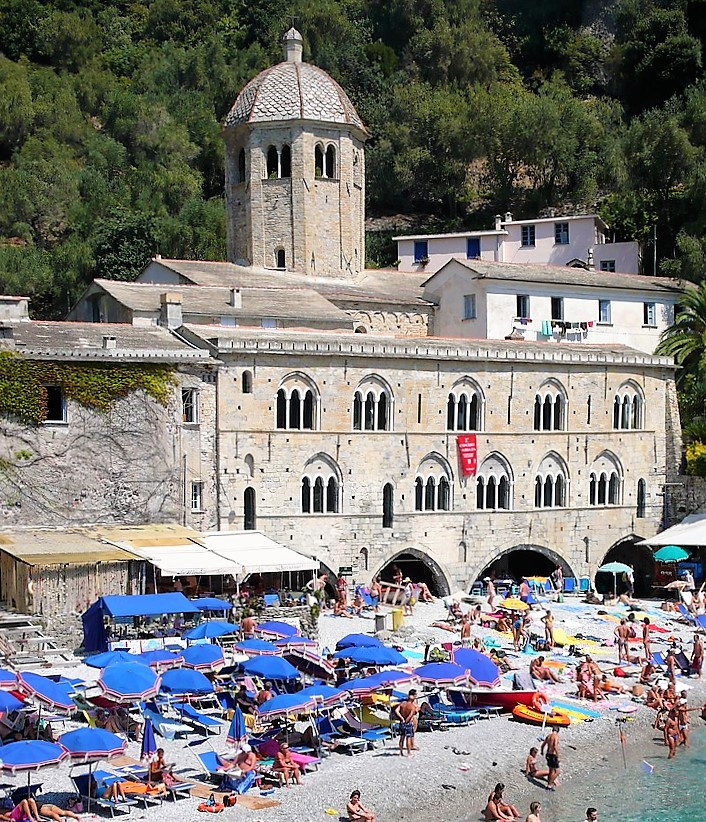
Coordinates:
533	815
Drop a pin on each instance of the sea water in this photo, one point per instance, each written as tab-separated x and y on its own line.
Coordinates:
647	787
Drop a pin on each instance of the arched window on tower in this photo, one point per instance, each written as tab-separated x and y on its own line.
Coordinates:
464	406
372	405
320	486
241	165
550	407
297	404
249	509
285	162
331	162
318	161
551	483
493	484
388	505
605	480
628	407
432	486
247	382
272	163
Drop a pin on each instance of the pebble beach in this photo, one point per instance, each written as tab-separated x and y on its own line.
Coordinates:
455	769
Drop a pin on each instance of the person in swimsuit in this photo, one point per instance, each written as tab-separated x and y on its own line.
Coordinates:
697	656
672	734
286	767
533	815
646	638
551	746
548	621
465	630
498	808
538	670
622	633
531	770
406	712
25	811
491	592
375	594
247	626
356	811
56	813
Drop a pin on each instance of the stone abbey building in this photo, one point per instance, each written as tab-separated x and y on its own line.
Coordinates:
322	409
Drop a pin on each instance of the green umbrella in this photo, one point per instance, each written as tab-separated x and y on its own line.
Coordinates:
615	568
671	553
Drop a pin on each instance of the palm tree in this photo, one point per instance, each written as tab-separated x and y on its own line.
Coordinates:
685	339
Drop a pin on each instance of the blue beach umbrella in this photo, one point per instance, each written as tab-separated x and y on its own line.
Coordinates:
212	630
358	641
482	671
204	657
8	702
149	743
55	695
324	695
92	744
286	704
376	655
441	674
310	662
361	686
186	681
30	755
276	630
129	682
270	667
258	647
296	642
390	678
237	732
109	658
212	604
160	658
8	679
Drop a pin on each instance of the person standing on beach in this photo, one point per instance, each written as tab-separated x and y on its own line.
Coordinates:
491	592
646	638
548	621
622	634
697	656
550	749
407	712
672	734
465	630
533	815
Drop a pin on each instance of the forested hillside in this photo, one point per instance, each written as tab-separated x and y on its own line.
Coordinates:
110	147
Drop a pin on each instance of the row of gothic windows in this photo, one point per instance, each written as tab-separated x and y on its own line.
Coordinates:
278	162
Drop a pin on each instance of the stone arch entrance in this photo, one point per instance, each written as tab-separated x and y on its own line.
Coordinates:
521	561
419	567
639	556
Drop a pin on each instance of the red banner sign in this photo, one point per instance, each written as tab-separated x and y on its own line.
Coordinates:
467	454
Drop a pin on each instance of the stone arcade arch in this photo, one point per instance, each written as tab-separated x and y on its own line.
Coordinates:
639	556
419	566
527	559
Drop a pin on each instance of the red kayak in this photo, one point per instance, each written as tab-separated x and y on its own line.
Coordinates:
506	700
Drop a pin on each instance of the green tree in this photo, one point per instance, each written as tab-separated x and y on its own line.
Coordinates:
685	339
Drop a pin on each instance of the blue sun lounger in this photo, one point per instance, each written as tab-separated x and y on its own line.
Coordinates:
203	722
82	786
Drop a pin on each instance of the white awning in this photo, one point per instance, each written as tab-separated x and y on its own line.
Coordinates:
189	559
256	553
690	532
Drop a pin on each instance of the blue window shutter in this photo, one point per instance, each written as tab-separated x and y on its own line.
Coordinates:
473	248
421	250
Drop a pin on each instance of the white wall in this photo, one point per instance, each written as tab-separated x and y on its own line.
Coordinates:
442	249
626	256
582	236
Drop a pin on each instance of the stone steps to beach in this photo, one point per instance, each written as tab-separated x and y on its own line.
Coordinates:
24	644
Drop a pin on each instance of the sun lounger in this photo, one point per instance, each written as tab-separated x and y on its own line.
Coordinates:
373	733
106	778
452	714
204	722
701	620
271	747
179	790
688	616
81	783
338	741
164	726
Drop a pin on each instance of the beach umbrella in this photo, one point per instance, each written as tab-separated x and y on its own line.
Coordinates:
360	686
30	755
160	658
8	679
357	641
286	704
185	681
212	630
237	732
109	658
296	642
615	568
441	674
482	671
55	695
514	604
270	667
671	553
393	677
376	655
92	744
204	657
324	695
310	663
258	647
8	703
212	604
149	743
129	682
276	630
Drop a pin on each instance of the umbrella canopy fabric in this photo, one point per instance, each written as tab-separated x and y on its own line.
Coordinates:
204	657
482	671
376	655
276	630
129	682
92	744
212	630
615	568
109	658
357	641
270	667
310	662
361	686
8	702
30	755
286	704
258	647
514	604
389	678
677	585
212	604
237	732
441	673
160	658
55	695
324	694
186	681
8	679
671	553
149	743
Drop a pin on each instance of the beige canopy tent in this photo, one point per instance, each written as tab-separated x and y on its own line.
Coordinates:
689	533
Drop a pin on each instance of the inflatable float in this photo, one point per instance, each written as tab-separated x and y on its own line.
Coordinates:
526	714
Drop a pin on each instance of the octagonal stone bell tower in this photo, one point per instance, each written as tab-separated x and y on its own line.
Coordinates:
295	171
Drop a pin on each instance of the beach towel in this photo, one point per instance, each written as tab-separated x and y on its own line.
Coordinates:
522	681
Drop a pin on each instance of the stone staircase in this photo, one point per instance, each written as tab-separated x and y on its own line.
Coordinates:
24	643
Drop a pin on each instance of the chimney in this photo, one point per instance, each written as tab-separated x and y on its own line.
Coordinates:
292	46
110	343
508	216
498	222
235	300
590	265
170	314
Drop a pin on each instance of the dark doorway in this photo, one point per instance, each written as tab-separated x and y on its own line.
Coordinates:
641	559
525	561
249	509
419	568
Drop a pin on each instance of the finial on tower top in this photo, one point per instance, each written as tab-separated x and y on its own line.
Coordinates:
292	45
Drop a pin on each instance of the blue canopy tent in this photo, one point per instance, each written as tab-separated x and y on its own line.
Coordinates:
94	638
212	604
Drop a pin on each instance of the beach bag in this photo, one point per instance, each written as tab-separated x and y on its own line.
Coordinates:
246	782
230	801
619	672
